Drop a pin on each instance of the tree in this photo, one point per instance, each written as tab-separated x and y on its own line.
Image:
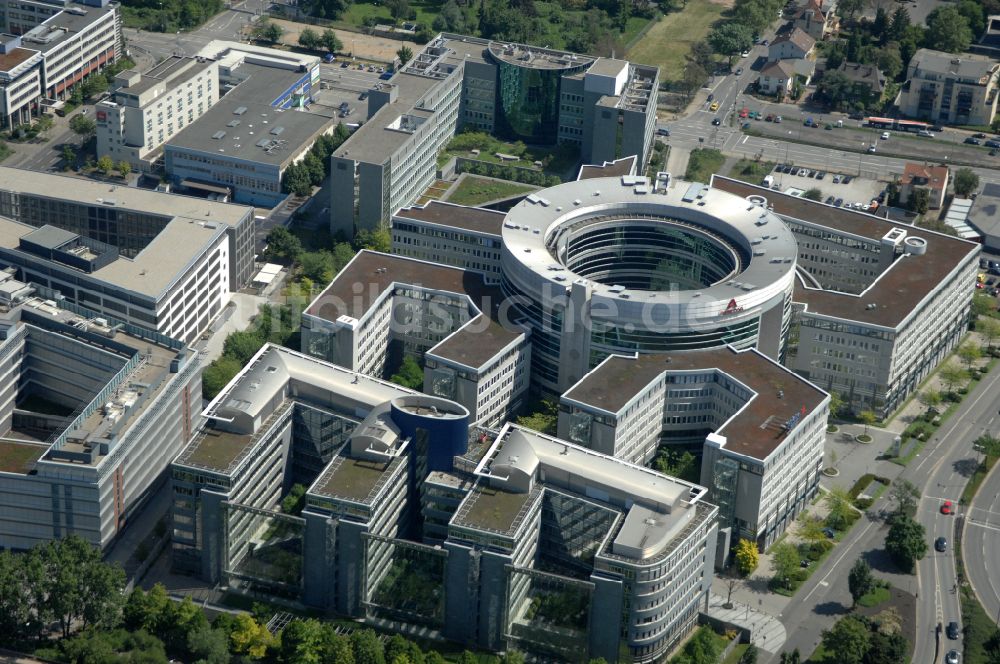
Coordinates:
948	30
952	374
367	647
124	168
181	620
694	77
905	494
747	557
405	54
847	641
218	374
376	240
840	510
242	345
785	559
749	655
969	353
330	41
860	580
82	125
848	8
399	9
209	646
812	529
544	420
730	39
919	200
890	61
836	404
899	24
451	18
44	123
974	14
987	445
68	157
682	464
309	39
930	398
905	542
989	328
410	374
981	305
249	638
867	418
512	657
297	180
105	165
813	194
966	182
303	641
271	32
282	244
886	648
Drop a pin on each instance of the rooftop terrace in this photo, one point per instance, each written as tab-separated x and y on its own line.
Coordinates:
19	458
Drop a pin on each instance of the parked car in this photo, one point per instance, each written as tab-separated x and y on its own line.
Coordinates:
885	136
739	71
777	119
836	179
329	58
925	133
744	54
711	96
979	135
769	118
937	128
344	65
714	107
803	172
838	202
663	131
830	532
972	140
992	143
745	125
871	148
829	200
744	112
846	179
952	630
363	96
941	544
821	175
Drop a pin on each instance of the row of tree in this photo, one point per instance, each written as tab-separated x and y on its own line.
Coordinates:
169	15
299	178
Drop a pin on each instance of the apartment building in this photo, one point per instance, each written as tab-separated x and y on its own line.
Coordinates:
147	109
605	106
419	520
949	88
381	306
91	414
76	39
878	304
156	260
933	179
20	82
759	427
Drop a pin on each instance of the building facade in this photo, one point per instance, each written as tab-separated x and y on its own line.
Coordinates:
147	109
20	82
604	106
878	304
417	519
91	415
165	262
948	88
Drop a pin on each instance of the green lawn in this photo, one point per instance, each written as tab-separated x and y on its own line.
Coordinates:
703	163
667	43
751	171
875	597
476	190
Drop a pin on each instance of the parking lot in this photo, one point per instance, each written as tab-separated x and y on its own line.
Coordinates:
849	190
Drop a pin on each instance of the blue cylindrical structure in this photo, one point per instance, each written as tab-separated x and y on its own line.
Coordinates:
438	428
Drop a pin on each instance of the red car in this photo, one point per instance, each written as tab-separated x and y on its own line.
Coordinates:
946	507
744	112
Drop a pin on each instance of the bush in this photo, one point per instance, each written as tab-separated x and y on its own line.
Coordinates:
814	550
864	503
861	485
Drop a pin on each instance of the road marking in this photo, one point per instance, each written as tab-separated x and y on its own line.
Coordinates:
972	522
837	562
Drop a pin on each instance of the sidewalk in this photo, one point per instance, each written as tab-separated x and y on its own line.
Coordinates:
677	161
766	631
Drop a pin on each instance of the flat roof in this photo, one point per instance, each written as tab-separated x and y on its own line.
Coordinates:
88	192
352	479
50	237
286	132
494	509
174	71
451	215
475	343
985	211
153	269
15	57
65	25
536	57
757	427
898	291
19	458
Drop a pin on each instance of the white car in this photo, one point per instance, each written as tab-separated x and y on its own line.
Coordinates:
885	136
744	54
951	657
871	148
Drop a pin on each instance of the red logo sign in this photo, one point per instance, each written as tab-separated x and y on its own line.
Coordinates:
102	115
731	308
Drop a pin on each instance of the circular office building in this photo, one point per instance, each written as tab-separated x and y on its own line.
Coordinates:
618	265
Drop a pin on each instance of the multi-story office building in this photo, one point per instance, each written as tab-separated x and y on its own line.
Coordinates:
76	39
91	414
146	109
20	81
497	540
382	306
161	261
881	303
538	95
449	234
949	88
243	144
759	427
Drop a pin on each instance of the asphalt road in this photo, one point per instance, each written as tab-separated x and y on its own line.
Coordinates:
226	25
981	541
940	471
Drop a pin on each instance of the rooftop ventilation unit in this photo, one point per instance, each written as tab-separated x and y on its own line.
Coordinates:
277	130
219	134
240	111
